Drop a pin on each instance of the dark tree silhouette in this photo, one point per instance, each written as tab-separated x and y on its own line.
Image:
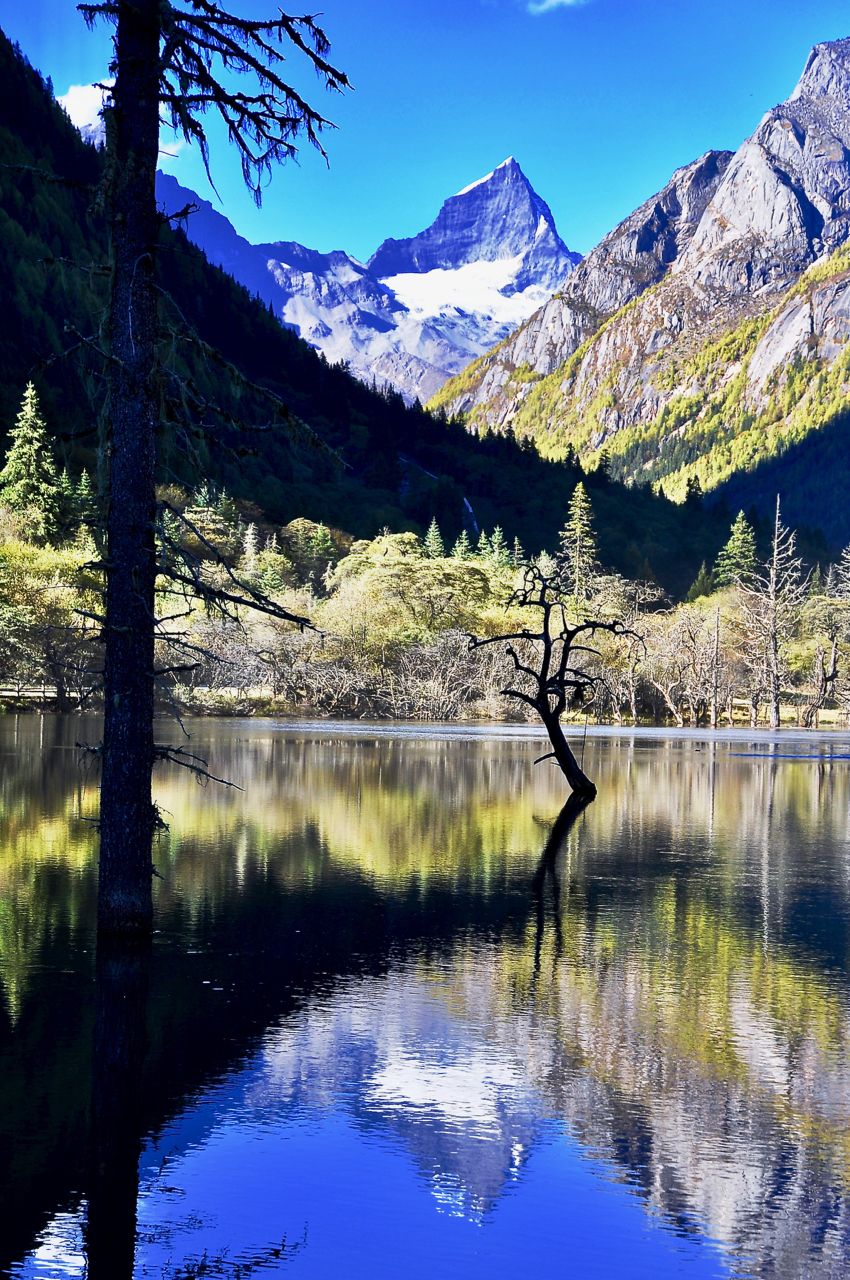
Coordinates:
178	62
550	661
116	1133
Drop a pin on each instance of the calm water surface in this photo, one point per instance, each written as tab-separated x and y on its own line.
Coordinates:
390	1027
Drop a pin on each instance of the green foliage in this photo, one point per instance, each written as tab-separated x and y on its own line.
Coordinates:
29	485
703	584
578	545
462	549
737	560
390	592
85	500
434	542
500	555
322	546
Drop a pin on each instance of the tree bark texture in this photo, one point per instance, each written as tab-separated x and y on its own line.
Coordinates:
126	809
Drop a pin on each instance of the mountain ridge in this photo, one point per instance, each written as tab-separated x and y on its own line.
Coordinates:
421	308
403	466
707	365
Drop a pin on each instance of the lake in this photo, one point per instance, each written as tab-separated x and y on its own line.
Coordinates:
391	1026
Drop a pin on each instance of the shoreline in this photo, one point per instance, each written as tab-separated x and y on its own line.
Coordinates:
311	723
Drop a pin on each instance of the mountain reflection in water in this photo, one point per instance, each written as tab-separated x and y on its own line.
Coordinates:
391	1024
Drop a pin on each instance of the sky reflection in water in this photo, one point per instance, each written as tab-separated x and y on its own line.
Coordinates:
385	1039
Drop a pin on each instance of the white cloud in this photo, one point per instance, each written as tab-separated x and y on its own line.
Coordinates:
546	6
83	103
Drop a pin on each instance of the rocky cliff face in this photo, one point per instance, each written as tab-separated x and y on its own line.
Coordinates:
633	256
422	308
708	315
498	217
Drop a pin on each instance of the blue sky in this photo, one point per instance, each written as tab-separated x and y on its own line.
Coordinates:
599	102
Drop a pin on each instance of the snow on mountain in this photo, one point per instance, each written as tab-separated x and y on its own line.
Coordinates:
422	308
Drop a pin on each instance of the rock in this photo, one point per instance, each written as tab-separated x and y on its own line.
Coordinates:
723	245
631	258
422	308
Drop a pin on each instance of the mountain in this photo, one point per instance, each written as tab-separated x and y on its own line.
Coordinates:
705	336
422	308
402	465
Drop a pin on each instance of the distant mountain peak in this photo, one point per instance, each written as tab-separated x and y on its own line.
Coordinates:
422	308
497	217
487	176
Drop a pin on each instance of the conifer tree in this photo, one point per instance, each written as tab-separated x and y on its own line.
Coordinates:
499	551
322	546
250	548
462	549
483	551
225	508
842	575
67	501
85	502
433	543
517	554
28	482
703	584
578	546
737	561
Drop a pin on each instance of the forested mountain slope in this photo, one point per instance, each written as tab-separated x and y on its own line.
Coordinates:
400	466
706	335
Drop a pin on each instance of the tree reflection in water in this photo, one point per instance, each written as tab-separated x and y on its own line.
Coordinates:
120	1043
370	936
547	872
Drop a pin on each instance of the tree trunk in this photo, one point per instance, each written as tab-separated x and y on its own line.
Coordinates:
773	679
715	670
570	767
126	809
823	681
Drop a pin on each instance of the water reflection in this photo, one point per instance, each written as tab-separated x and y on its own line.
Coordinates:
119	1051
390	976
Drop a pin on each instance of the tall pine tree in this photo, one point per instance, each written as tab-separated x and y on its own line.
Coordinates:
29	484
499	551
578	546
462	549
434	548
737	561
179	64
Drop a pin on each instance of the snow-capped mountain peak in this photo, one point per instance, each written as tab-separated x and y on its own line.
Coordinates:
422	308
498	216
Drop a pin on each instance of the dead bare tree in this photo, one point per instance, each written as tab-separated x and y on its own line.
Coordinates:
552	662
823	677
771	601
